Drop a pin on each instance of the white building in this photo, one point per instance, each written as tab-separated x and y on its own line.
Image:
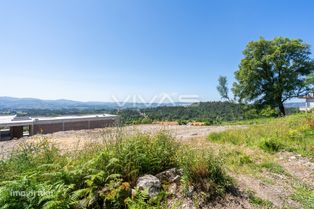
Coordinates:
309	102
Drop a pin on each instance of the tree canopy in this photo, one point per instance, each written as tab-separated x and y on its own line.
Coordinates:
273	71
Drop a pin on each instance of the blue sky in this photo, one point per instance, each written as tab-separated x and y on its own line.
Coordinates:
92	50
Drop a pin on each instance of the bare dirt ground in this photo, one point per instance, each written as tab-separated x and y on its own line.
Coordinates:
298	166
278	191
73	140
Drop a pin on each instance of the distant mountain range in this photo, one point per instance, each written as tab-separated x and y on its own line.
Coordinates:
32	103
12	103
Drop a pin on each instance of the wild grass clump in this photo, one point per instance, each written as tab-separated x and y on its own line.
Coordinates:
304	194
202	172
292	133
258	202
271	145
29	156
242	160
272	167
39	176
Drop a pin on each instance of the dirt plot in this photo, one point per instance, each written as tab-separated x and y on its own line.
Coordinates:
73	140
182	132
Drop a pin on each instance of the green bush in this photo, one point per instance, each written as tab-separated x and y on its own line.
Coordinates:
271	145
146	121
268	112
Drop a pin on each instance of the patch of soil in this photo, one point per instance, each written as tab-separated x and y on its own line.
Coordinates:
229	201
298	166
278	189
197	200
232	201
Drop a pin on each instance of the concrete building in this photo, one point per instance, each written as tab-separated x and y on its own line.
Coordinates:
309	102
17	127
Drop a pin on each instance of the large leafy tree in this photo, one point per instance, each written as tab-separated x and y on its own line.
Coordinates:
274	71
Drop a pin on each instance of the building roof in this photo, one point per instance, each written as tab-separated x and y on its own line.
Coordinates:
309	96
13	120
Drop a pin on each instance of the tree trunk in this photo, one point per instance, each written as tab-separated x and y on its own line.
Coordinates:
282	109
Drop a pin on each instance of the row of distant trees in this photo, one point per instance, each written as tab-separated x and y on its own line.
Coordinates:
272	72
207	112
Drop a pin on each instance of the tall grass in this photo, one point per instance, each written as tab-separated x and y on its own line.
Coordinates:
204	172
293	133
39	176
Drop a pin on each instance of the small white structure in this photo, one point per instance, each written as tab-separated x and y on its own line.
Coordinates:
309	102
